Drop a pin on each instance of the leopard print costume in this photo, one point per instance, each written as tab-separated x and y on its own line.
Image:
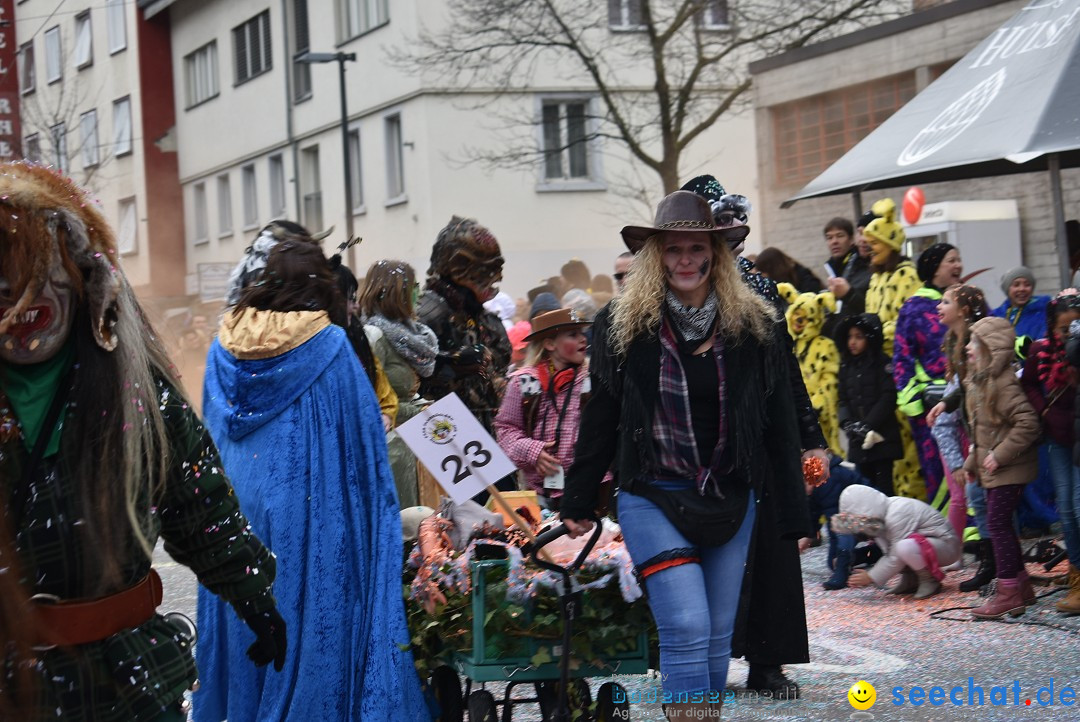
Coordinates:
819	359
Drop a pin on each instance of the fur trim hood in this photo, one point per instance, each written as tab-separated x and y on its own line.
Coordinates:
862	511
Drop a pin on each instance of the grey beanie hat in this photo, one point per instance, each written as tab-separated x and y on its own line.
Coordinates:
1018	272
543	303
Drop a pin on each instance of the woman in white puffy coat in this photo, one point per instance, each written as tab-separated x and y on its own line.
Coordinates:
915	539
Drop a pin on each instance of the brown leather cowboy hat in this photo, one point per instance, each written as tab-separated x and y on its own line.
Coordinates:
548	324
682	211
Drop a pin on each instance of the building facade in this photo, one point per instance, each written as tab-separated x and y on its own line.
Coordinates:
814	104
95	101
259	137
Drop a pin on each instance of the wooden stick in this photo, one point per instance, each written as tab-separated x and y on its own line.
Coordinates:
518	521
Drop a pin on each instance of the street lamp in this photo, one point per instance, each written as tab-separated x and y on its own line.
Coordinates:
340	58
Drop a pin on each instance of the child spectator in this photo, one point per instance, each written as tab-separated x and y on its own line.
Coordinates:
867	400
1050	382
1005	431
959	308
824	500
915	539
537	425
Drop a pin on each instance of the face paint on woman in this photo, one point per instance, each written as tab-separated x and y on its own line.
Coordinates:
39	332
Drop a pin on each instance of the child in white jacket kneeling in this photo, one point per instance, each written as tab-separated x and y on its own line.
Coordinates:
916	540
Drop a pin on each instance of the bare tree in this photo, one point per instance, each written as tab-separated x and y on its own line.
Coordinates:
663	71
54	114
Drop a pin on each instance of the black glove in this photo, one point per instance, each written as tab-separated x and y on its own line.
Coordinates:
855	430
270	641
470	356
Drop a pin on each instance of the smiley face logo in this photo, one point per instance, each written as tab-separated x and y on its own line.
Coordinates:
862	695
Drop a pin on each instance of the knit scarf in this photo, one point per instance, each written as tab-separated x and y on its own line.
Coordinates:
414	342
552	380
1053	368
694	324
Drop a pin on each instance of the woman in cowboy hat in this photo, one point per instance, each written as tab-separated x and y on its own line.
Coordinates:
692	408
537	425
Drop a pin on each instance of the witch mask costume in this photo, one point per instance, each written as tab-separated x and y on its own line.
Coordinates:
100	455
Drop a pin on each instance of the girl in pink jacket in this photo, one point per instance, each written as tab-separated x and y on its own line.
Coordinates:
537	425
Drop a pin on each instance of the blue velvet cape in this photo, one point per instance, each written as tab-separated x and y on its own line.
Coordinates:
302	440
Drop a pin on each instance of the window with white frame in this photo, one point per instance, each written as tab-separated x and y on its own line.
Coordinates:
565	138
278	208
714	16
625	15
58	133
395	161
84	41
32	148
88	129
117	22
311	175
121	126
251	197
301	44
127	232
201	74
356	176
54	55
27	71
224	205
359	16
198	206
251	42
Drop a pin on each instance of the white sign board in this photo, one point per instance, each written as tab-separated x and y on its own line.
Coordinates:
455	448
214	281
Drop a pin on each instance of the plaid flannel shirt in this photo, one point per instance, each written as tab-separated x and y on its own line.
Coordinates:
523	449
673	429
137	673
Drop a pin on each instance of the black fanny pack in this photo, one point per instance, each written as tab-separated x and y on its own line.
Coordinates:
706	520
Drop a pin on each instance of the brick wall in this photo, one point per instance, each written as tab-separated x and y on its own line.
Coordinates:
798	229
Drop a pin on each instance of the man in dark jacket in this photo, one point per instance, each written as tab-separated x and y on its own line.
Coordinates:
850	272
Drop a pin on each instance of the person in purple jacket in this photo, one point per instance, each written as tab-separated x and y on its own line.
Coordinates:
918	359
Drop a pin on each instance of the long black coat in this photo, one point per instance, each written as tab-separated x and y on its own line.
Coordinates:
616	424
771	624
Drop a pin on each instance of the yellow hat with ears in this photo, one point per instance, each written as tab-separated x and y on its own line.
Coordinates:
886	228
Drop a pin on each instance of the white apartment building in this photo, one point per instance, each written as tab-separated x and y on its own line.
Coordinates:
259	137
95	101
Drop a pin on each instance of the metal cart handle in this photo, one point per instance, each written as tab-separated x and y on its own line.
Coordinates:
533	548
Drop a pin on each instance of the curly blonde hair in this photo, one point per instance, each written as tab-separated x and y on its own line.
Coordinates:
638	310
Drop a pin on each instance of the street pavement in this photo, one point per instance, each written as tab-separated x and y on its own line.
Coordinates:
890	642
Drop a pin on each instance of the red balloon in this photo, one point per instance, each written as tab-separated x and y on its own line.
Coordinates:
914	200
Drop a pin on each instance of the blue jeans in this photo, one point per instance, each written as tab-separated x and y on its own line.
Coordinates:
839	543
694	605
1067	495
976	499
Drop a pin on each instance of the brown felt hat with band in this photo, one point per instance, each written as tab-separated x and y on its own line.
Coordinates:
549	324
682	211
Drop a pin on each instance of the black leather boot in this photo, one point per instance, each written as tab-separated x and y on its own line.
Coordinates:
841	570
987	568
769	678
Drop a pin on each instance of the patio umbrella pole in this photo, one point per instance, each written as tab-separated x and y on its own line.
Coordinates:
1053	162
856	200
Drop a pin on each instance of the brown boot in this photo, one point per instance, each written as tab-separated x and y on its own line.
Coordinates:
907	583
1006	600
1027	589
1071	603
